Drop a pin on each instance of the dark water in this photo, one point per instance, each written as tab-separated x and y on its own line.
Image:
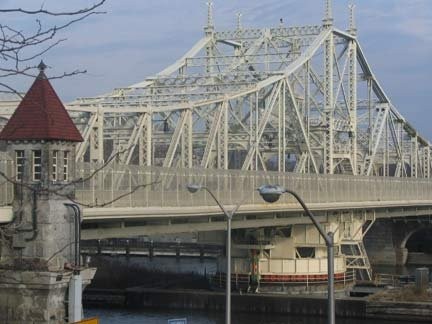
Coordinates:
108	316
196	317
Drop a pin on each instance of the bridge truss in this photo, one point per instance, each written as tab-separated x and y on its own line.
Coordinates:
300	99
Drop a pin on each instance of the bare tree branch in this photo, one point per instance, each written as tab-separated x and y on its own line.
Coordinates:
127	194
52	13
19	46
11	90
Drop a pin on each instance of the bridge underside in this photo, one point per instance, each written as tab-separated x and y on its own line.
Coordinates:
127	222
400	240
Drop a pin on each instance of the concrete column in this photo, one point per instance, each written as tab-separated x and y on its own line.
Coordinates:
379	243
385	242
32	297
36	265
401	256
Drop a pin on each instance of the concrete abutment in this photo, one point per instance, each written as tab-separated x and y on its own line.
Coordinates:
386	241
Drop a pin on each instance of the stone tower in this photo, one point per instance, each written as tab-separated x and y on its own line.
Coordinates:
36	260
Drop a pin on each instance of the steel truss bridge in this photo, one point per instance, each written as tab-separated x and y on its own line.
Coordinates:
244	107
294	106
301	99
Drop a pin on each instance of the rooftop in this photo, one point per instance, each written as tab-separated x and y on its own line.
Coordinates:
41	115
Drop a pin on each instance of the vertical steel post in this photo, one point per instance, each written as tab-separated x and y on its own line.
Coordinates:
426	162
228	271
186	140
370	89
229	215
353	103
330	283
209	32
222	136
256	142
328	102
414	156
281	129
97	138
307	108
145	142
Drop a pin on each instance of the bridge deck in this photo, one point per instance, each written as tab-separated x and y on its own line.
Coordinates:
160	203
157	197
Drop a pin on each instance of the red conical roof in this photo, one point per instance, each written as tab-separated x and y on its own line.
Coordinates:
41	116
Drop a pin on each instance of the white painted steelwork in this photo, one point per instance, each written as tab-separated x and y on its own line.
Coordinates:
300	99
285	105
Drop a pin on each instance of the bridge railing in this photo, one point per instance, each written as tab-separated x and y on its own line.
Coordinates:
134	186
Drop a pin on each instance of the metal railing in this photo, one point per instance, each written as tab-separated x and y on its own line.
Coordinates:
300	266
386	279
149	248
166	187
242	280
134	186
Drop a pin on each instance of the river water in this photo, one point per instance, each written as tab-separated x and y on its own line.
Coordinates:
107	316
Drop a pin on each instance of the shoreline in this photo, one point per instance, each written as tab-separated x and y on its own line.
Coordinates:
347	307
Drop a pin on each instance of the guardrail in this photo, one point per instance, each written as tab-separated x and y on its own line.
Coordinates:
245	280
133	186
385	279
316	266
150	248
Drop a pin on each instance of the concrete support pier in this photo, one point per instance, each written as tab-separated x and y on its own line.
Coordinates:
386	242
33	297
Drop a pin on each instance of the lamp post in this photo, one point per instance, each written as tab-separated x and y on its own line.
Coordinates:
192	188
272	194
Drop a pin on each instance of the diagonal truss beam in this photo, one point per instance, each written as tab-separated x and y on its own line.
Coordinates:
262	124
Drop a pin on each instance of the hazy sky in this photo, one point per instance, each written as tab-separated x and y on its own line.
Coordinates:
138	38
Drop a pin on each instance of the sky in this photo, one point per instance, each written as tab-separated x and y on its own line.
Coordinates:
138	38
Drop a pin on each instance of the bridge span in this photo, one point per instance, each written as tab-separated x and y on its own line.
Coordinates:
152	200
297	106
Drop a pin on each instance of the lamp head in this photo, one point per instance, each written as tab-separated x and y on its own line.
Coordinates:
270	193
192	188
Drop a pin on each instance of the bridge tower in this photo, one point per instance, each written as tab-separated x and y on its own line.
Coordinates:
37	255
328	91
352	89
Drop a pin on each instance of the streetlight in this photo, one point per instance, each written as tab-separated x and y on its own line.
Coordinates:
193	188
272	194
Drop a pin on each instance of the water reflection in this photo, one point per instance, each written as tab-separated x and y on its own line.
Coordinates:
108	316
124	316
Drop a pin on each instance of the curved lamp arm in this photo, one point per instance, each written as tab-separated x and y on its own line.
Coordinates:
236	208
227	214
327	238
